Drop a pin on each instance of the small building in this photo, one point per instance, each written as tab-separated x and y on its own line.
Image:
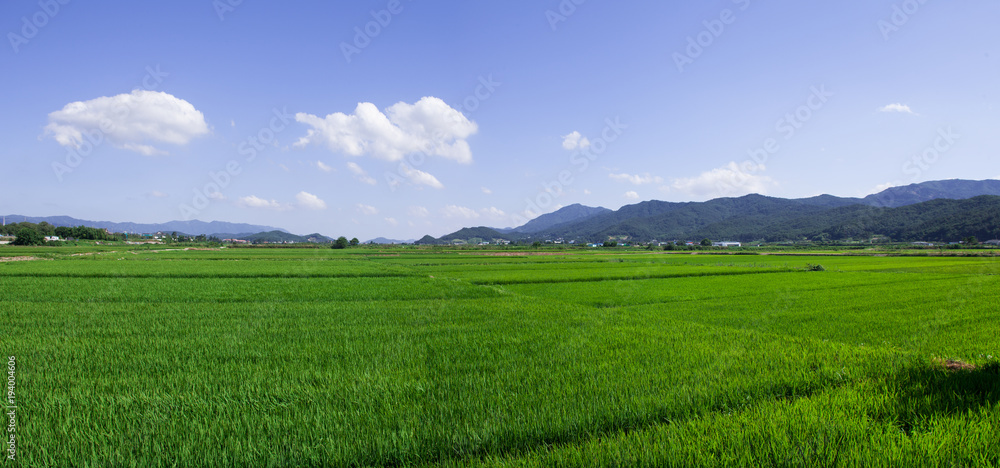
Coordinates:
726	244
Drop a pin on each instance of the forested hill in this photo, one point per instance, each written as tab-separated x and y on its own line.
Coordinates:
758	218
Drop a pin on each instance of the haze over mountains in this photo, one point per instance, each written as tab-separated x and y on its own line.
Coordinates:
933	211
194	227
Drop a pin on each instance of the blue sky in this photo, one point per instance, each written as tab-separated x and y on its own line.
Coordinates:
404	118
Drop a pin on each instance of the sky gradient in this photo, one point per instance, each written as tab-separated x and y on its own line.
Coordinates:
403	118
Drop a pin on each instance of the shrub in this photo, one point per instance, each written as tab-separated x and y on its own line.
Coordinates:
27	236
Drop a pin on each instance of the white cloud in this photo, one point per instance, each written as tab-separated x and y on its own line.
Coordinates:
419	211
232	123
253	201
897	107
392	221
356	169
360	174
455	211
159	194
574	141
486	190
587	191
128	121
216	196
631	195
418	177
729	180
323	167
310	201
429	126
493	212
367	209
637	179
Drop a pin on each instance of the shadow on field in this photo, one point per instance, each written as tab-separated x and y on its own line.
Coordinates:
938	389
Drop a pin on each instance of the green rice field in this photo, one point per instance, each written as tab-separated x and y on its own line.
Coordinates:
409	357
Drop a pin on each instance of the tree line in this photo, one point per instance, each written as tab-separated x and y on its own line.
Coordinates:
343	243
34	234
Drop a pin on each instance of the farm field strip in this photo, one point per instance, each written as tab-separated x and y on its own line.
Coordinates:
597	273
746	288
266	290
943	314
132	267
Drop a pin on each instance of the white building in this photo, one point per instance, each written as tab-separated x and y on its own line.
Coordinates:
726	244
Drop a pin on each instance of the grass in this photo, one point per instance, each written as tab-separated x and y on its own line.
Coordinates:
441	358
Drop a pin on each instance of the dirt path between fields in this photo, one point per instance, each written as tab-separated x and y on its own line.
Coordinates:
85	254
138	252
18	259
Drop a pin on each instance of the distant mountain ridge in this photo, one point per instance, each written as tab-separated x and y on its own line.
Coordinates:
955	189
481	232
566	214
276	237
943	210
193	227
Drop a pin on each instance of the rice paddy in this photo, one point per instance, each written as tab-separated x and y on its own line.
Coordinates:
306	357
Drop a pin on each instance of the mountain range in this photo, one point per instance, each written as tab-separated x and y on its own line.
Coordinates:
934	211
944	210
277	237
